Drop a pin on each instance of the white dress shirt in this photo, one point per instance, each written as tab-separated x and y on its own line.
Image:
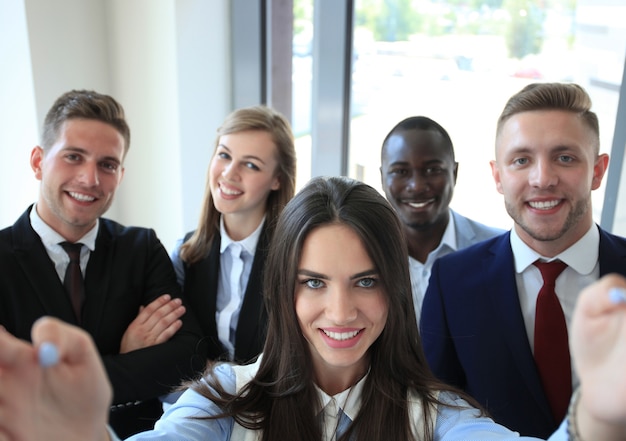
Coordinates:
236	259
582	269
51	240
420	272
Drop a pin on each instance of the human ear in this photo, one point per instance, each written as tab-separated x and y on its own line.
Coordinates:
599	169
36	157
495	172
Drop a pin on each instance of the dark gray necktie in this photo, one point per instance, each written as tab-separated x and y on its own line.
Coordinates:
73	280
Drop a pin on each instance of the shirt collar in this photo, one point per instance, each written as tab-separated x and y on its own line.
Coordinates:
349	401
448	240
51	238
582	256
449	235
249	243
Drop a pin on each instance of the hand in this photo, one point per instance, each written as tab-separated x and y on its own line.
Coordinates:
598	344
155	324
67	401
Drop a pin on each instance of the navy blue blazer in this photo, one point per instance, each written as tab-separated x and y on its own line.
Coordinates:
200	288
474	335
128	269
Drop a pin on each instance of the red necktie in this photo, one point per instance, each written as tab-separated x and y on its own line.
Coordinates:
551	345
73	280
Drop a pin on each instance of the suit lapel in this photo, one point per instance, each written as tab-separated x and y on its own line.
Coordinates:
464	232
612	254
98	276
502	288
200	293
32	256
252	315
205	280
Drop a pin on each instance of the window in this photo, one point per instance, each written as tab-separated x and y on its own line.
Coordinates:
458	62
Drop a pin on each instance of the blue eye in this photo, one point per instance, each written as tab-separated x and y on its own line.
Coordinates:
313	283
367	282
521	161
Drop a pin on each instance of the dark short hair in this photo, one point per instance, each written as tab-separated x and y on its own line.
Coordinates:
421	123
84	104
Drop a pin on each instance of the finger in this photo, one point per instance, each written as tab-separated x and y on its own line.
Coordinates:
166	313
169	332
14	351
145	312
176	313
73	344
603	297
161	331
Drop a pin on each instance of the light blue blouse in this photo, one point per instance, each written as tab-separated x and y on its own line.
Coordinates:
452	424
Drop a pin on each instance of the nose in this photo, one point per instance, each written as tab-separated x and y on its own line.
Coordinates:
88	174
543	174
417	182
340	307
229	172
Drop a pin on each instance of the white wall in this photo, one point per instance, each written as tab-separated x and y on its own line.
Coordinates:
18	119
166	61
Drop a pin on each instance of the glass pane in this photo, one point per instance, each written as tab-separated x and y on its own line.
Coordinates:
458	62
302	72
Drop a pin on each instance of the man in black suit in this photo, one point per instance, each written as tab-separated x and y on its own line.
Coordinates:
129	301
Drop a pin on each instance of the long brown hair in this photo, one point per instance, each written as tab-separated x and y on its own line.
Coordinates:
249	118
281	400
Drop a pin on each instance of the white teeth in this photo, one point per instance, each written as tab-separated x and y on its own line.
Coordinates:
81	197
229	191
419	204
545	205
340	335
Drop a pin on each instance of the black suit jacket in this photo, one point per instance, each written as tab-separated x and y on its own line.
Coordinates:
128	268
201	294
474	334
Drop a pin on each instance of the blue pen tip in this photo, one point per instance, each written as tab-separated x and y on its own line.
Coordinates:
617	295
48	354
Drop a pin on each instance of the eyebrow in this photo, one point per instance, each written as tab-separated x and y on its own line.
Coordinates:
553	149
86	153
428	162
248	157
308	273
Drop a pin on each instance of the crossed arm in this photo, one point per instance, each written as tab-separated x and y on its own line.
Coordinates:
155	323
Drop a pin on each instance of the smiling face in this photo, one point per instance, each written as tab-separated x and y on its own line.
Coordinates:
242	174
340	305
418	177
79	175
546	168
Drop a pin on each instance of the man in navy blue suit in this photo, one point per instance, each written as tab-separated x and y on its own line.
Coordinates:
479	317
